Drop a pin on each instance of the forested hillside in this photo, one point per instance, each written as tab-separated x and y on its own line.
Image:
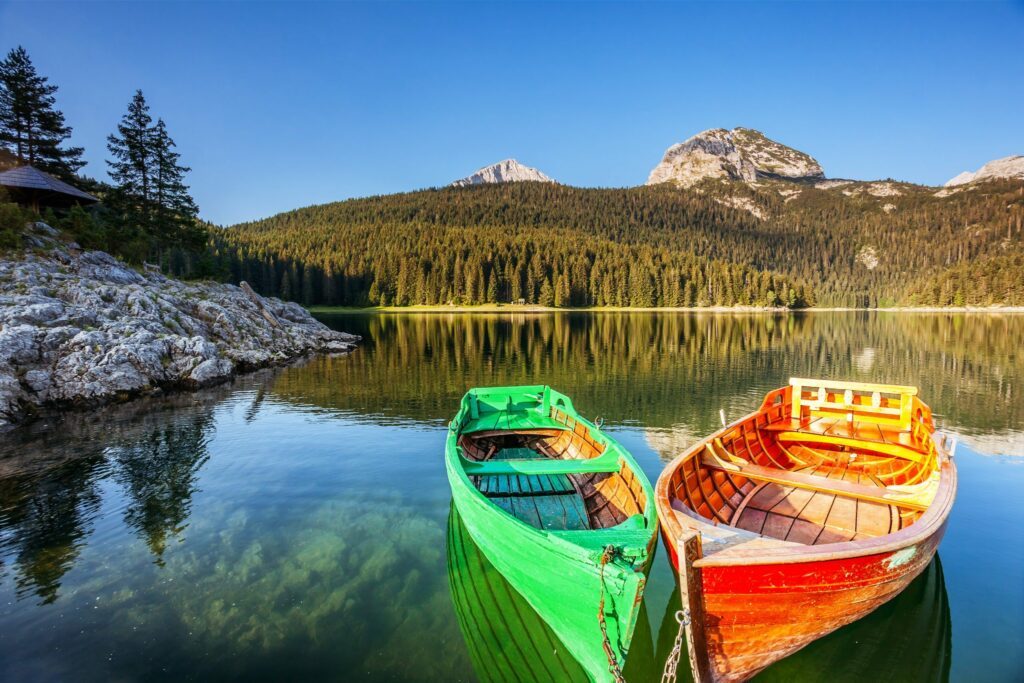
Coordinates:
828	243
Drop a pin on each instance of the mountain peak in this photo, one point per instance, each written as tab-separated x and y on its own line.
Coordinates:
507	171
1007	167
740	154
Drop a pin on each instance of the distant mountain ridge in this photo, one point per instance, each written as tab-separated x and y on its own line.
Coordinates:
1007	167
738	154
507	171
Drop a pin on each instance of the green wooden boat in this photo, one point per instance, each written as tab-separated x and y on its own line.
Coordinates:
561	510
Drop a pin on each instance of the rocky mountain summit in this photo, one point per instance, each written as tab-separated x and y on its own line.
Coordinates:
738	154
1007	167
507	171
78	328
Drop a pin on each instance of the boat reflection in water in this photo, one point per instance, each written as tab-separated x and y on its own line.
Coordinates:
506	638
909	638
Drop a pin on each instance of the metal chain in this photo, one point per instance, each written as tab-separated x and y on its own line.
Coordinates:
669	675
609	653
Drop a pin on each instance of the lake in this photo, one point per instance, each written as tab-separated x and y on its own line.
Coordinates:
296	523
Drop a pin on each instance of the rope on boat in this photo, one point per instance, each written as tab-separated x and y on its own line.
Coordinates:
669	675
613	663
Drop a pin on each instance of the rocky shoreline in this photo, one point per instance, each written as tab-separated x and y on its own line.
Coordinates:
80	328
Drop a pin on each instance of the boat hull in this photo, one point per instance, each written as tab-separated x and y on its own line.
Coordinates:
756	614
561	580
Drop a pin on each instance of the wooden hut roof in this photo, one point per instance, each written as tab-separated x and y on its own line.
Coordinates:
30	181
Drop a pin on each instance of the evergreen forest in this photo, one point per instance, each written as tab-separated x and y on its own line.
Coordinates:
717	244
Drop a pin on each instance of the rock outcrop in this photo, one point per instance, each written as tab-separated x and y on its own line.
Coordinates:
507	171
1007	167
738	154
79	328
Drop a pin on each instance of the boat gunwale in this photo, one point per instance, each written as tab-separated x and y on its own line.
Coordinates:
930	522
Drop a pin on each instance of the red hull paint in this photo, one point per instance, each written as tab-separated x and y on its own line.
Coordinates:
797	577
754	615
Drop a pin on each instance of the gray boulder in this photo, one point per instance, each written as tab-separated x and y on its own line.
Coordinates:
82	328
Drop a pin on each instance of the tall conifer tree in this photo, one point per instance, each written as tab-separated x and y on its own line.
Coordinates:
132	165
31	126
150	194
174	220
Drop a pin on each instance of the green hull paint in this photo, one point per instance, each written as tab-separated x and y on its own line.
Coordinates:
557	572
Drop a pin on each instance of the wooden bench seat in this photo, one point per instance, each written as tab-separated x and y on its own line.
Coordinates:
914	500
537	466
856	435
865	431
893	450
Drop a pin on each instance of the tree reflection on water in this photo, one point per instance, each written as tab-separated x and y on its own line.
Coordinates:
44	522
52	480
159	473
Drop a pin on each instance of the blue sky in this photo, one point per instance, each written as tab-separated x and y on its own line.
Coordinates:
277	106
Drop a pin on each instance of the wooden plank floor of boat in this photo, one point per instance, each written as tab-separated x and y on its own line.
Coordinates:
815	517
547	501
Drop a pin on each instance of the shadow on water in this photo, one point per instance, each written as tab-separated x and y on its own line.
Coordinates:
908	638
506	638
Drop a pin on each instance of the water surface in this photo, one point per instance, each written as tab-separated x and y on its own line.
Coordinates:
295	523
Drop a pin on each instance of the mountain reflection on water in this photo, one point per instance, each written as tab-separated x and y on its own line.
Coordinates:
293	523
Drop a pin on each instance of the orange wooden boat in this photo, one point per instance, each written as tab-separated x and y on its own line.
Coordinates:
800	518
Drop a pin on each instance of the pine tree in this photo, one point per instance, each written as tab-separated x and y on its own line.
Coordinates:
547	293
308	286
517	283
641	290
562	291
492	287
402	284
287	287
132	166
150	195
30	124
175	212
329	287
